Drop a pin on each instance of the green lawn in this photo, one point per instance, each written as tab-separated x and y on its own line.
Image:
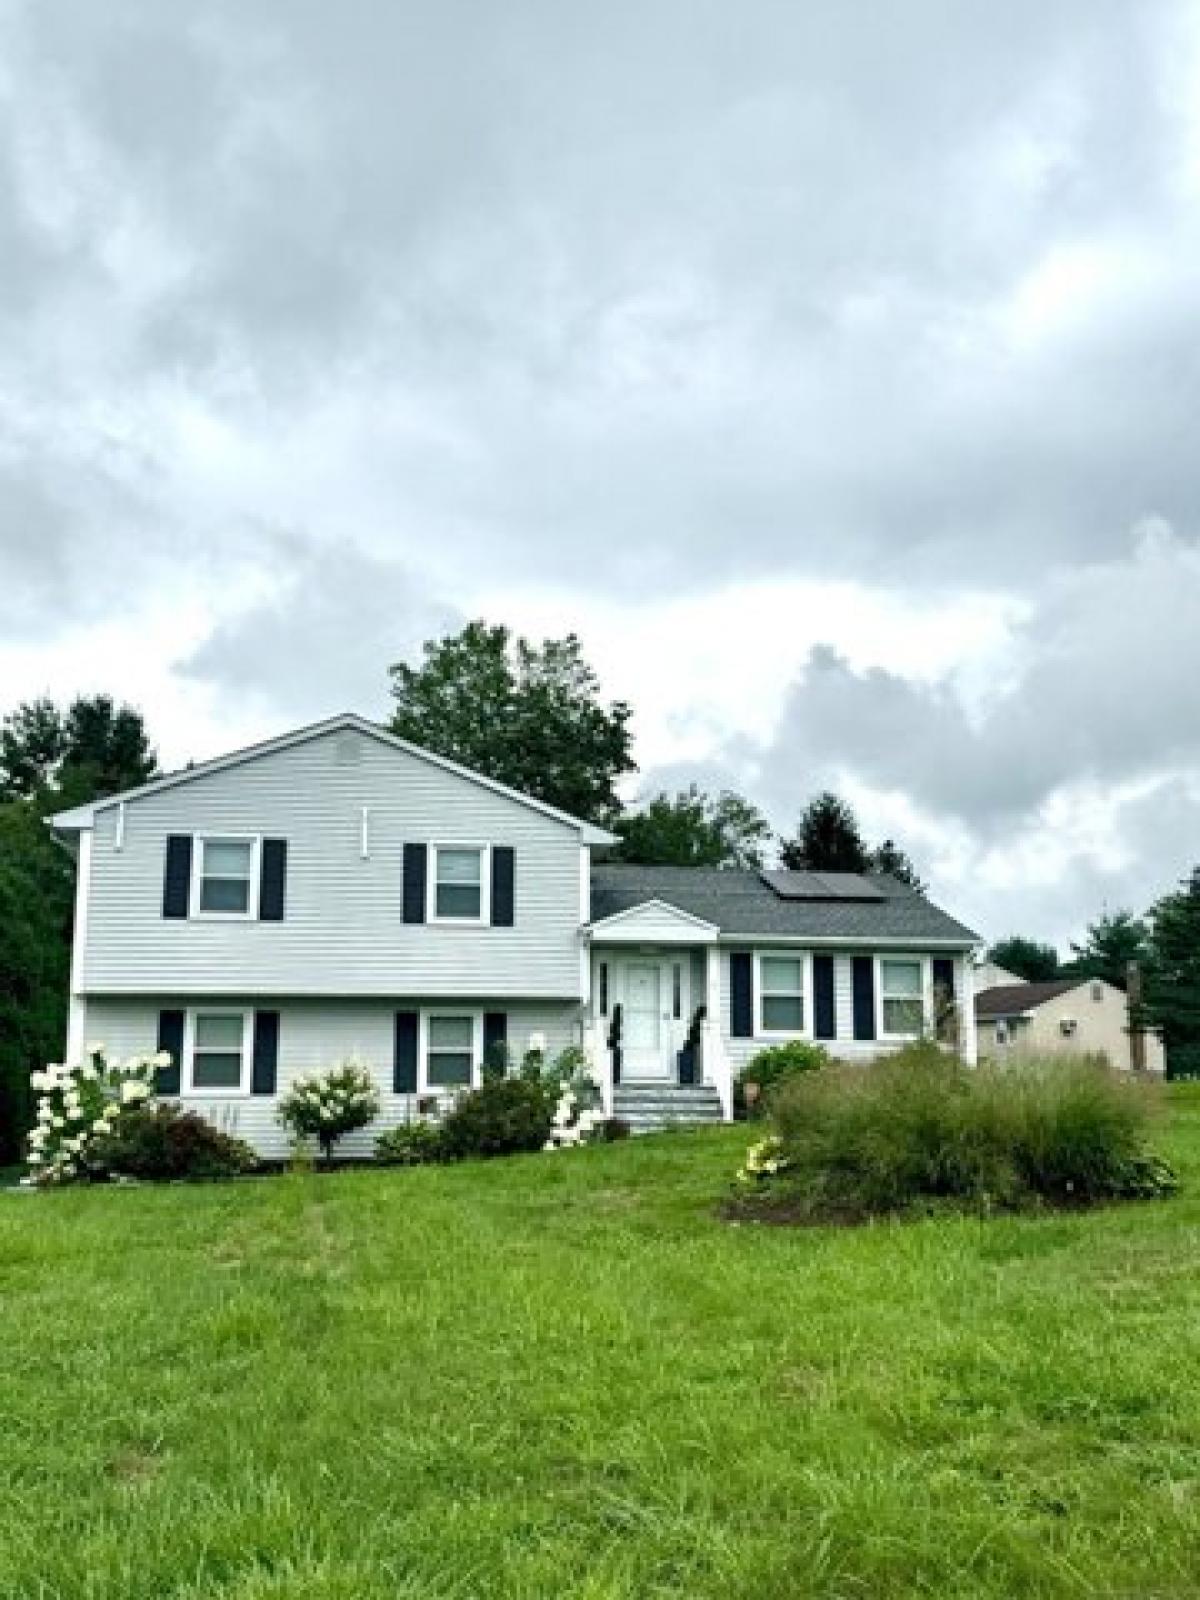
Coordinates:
562	1376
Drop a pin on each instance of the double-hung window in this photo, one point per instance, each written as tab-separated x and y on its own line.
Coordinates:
458	883
218	1053
453	1042
225	877
781	994
902	997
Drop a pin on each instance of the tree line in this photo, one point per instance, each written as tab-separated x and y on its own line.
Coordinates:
530	716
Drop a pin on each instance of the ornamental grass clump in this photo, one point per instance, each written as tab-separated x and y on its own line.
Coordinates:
79	1106
920	1130
327	1106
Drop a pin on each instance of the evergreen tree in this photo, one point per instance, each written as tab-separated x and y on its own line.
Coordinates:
888	857
1171	1002
827	839
1111	943
91	749
36	900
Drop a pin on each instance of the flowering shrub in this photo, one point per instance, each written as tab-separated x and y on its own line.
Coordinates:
80	1105
764	1160
324	1106
576	1118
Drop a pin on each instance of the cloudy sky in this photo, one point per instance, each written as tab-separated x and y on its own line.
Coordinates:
832	369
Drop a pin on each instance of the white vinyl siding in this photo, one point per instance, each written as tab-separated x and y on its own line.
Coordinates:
845	1046
343	933
314	1035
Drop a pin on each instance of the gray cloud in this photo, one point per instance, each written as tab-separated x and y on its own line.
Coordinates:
334	621
633	299
725	299
1103	689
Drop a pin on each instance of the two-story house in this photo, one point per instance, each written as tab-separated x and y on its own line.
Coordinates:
339	892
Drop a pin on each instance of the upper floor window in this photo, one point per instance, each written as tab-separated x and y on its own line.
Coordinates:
458	884
225	876
781	994
902	995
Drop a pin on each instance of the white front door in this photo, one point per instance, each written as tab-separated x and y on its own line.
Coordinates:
646	1031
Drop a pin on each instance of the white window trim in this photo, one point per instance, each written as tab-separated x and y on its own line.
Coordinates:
251	912
926	965
187	1084
449	1010
483	920
805	957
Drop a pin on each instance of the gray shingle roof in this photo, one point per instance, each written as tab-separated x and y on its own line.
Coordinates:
742	905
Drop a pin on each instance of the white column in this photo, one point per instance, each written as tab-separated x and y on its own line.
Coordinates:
712	985
970	1034
717	1068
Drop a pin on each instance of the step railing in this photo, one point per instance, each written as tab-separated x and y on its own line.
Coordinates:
716	1067
596	1048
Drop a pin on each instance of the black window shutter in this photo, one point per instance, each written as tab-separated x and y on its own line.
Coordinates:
824	1005
495	1034
416	865
266	1052
170	1038
504	872
943	977
741	994
864	997
177	875
272	880
404	1065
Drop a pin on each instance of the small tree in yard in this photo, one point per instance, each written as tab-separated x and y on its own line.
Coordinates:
326	1106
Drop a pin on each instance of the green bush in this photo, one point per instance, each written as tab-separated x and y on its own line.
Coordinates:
163	1142
411	1144
501	1117
776	1065
919	1128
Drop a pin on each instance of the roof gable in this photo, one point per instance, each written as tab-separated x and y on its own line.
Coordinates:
656	920
82	817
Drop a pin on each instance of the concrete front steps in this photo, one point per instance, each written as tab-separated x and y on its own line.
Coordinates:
647	1107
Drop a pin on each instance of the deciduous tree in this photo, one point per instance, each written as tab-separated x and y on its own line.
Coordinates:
530	716
694	829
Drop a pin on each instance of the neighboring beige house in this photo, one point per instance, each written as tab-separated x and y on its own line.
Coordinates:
1076	1015
989	976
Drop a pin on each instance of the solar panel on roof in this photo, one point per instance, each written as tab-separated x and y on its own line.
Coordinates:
822	886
